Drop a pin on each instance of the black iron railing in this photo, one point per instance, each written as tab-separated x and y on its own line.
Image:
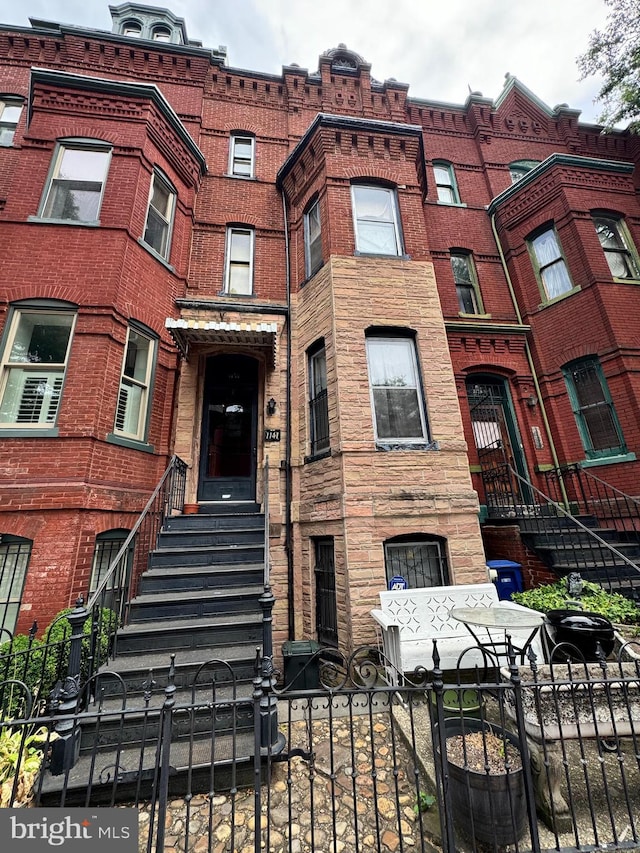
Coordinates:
537	757
565	530
588	495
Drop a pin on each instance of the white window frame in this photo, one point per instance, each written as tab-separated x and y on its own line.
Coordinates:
408	344
161	33
312	239
8	126
164	218
554	264
236	161
45	381
231	261
391	222
128	384
132	29
54	182
444	177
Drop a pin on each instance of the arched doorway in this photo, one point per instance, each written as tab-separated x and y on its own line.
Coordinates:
229	429
497	441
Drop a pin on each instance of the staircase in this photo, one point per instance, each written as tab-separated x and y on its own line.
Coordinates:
198	600
582	524
603	555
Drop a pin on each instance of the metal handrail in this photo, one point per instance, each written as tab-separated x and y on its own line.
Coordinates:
175	466
558	507
265	502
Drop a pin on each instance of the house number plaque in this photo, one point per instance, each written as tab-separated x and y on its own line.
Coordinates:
272	435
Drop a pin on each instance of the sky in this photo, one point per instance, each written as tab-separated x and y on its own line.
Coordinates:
442	50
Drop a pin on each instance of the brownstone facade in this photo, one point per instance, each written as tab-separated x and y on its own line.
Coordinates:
400	286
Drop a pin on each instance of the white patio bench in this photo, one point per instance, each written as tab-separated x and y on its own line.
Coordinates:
410	619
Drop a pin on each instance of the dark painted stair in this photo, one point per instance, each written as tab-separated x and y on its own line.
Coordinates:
199	600
566	547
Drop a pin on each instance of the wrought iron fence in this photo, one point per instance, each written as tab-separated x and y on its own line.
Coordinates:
537	757
44	664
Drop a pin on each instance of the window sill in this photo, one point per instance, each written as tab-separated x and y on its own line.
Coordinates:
46	220
478	316
131	443
628	280
377	255
452	203
240	177
312	274
410	446
21	432
608	460
236	295
314	457
562	296
153	253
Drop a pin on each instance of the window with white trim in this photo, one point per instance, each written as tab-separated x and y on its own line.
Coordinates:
242	155
445	179
312	239
133	395
133	29
10	111
467	289
14	560
616	246
549	263
396	392
76	183
33	367
157	230
161	34
238	277
375	214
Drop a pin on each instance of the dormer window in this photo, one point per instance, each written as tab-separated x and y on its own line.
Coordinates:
161	34
133	29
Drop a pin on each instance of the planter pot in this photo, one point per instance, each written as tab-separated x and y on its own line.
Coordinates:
492	807
190	509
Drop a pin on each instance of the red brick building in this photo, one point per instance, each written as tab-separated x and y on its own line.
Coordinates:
392	287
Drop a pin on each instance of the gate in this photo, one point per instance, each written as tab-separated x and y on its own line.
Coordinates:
532	758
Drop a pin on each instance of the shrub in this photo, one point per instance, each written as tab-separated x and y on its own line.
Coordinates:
594	599
20	756
48	661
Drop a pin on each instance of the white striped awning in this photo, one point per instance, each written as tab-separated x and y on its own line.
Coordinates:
188	332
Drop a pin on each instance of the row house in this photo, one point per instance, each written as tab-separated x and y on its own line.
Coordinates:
379	295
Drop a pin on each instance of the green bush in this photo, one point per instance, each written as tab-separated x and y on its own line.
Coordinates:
48	661
594	599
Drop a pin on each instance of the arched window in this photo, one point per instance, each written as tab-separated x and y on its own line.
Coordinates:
133	29
14	560
419	558
161	34
519	168
446	186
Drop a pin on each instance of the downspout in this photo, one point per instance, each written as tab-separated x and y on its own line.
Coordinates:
545	421
288	544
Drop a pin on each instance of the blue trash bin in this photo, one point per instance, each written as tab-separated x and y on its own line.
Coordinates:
508	577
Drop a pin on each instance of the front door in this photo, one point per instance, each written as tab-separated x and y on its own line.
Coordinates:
229	429
497	442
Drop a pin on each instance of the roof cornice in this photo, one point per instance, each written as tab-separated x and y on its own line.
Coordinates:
593	163
341	122
103	86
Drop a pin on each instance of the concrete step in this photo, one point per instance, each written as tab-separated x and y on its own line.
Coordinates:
171	635
206	556
180	577
190	605
236	535
198	522
200	665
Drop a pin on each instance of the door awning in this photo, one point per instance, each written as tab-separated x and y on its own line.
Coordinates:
188	332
